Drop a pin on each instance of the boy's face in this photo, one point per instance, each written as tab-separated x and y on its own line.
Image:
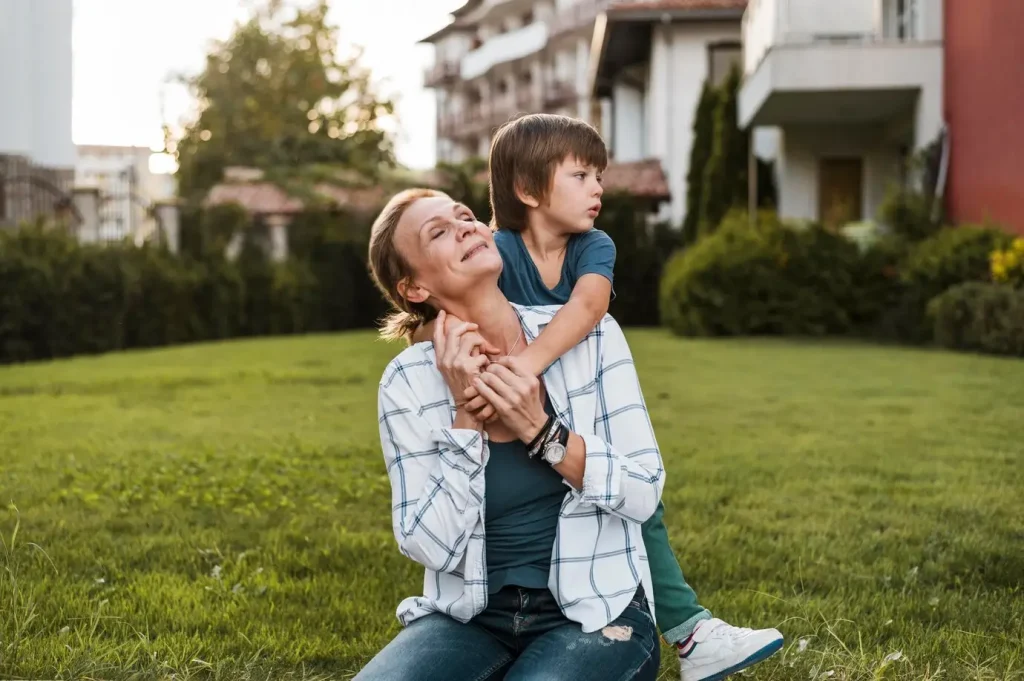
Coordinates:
575	197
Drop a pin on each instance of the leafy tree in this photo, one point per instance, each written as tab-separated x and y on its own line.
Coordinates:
277	93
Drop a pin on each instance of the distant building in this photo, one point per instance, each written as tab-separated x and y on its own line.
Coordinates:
127	189
496	59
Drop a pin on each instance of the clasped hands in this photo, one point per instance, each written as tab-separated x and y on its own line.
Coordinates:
485	384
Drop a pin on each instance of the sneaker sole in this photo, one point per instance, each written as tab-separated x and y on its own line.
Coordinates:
759	656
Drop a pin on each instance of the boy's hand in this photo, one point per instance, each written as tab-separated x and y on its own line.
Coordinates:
477	406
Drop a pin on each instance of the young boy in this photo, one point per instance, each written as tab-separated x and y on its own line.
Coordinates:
545	195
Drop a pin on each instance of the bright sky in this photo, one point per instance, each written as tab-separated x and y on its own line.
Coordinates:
125	51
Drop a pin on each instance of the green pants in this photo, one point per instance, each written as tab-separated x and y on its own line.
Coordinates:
675	603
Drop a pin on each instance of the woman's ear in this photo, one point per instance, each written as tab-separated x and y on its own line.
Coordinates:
412	291
525	198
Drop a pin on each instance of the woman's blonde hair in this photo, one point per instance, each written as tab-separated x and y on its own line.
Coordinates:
389	268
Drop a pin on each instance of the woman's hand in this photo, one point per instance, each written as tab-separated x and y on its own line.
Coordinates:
461	354
515	395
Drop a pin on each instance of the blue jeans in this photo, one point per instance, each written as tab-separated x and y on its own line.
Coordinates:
521	635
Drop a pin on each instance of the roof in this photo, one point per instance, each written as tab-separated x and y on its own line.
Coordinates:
255	197
268	199
455	25
644	179
670	5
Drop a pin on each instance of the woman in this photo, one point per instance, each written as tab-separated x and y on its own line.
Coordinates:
528	526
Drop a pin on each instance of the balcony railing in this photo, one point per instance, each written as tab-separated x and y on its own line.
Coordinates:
443	71
559	93
767	23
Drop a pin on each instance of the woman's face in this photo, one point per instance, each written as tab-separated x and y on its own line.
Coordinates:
448	250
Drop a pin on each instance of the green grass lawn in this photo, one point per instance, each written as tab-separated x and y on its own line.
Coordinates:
222	511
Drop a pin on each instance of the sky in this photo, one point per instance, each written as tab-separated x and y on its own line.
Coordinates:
126	52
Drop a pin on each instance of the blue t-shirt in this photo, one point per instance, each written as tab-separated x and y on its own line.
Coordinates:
591	252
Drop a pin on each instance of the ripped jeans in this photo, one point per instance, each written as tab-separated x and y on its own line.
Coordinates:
521	635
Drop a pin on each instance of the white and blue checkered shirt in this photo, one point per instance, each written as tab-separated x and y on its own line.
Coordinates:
437	480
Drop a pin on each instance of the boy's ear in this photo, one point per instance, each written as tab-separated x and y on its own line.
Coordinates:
412	291
526	198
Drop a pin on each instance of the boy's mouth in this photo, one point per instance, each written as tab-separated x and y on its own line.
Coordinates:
594	210
473	251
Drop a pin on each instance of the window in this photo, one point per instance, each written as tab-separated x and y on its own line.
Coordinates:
901	19
721	58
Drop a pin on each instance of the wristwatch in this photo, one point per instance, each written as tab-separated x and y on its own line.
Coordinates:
555	449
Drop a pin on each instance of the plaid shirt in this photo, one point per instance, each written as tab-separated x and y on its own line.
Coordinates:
437	480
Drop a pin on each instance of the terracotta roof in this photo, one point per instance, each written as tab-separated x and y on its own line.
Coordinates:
640	178
644	179
255	197
269	199
627	5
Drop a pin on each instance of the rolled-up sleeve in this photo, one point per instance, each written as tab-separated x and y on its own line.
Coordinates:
436	474
624	473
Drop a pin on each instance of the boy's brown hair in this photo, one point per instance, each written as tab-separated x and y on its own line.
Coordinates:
524	154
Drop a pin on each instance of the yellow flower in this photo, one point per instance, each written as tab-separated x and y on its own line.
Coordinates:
1018	245
999	273
996	258
1011	260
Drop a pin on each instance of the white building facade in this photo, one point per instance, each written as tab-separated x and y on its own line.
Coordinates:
649	65
848	88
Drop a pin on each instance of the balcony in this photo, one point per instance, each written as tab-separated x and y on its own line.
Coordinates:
473	119
578	16
503	48
445	71
841	61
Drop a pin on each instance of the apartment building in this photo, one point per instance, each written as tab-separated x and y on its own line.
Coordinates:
501	57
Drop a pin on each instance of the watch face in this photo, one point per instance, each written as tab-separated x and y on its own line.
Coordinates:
554	453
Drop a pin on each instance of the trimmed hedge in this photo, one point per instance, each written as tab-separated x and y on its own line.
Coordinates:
59	298
980	317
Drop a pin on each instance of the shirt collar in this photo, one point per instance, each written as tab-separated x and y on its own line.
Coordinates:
533	319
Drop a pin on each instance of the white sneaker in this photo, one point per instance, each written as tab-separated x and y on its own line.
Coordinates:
717	650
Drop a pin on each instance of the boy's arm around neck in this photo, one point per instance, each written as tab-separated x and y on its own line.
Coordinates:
586	307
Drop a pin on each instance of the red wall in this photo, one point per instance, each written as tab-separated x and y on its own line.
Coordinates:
984	108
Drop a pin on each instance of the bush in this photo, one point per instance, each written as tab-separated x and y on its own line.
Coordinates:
908	214
954	255
59	298
778	279
774	279
980	317
641	251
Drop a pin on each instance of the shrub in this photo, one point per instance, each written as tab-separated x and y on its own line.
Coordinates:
980	317
954	255
908	214
774	279
1007	264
